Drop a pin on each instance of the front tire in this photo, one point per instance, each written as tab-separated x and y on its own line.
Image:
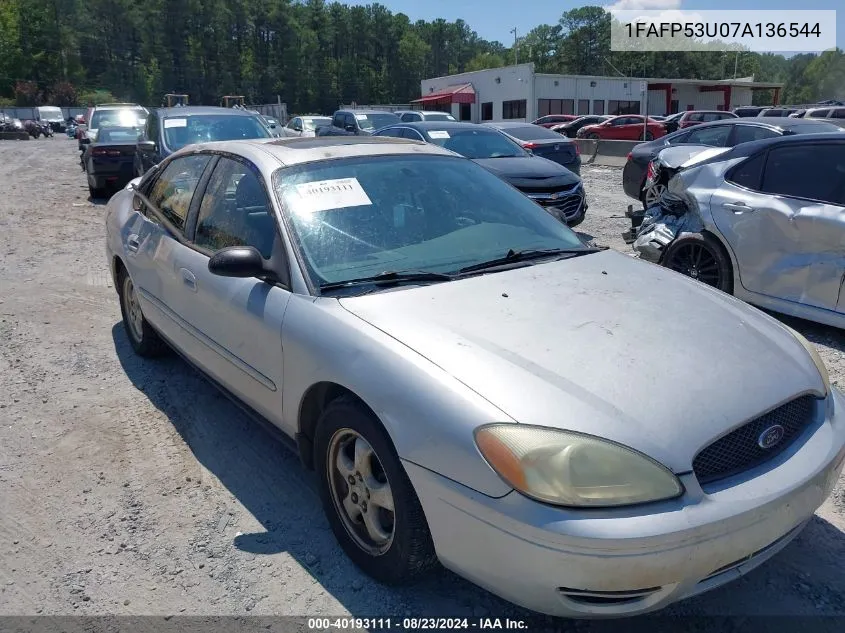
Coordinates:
368	499
143	338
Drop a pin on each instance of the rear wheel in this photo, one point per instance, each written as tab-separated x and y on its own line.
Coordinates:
651	196
368	499
701	257
143	338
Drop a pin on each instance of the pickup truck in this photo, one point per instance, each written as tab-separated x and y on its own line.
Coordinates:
357	122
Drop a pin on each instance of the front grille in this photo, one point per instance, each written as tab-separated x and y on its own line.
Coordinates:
739	450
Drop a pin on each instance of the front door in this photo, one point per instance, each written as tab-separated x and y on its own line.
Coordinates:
236	323
152	238
783	214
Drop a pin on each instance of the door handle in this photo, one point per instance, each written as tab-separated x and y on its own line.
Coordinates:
189	278
132	244
738	207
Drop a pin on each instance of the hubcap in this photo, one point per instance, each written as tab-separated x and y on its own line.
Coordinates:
361	492
133	310
696	261
653	193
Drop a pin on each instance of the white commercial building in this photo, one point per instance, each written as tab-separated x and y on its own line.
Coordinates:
517	92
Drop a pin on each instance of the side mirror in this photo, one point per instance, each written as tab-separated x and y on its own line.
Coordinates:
147	147
297	128
349	128
237	261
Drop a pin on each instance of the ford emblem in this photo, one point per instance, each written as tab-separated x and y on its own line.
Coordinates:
771	437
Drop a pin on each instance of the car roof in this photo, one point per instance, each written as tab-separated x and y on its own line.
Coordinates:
200	111
118	106
274	152
506	125
361	111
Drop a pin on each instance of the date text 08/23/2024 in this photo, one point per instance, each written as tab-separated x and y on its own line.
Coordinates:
415	624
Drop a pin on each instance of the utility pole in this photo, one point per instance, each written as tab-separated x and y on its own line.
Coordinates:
736	63
515	49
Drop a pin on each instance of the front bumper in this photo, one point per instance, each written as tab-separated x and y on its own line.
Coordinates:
611	563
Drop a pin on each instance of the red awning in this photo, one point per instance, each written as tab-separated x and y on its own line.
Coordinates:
453	94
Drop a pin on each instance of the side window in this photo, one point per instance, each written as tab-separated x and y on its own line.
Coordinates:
394	132
711	116
697	116
411	134
337	121
838	113
681	138
815	172
151	131
408	117
748	173
349	119
748	133
235	210
173	190
715	136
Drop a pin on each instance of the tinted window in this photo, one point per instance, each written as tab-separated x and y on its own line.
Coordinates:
478	143
748	173
408	117
349	120
816	172
716	136
394	132
817	114
117	135
411	134
235	210
173	189
180	131
337	121
361	216
748	133
152	128
838	113
531	133
677	138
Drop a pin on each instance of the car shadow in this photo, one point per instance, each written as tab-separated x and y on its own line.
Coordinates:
818	333
258	469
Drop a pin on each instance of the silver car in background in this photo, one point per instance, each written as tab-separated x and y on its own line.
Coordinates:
304	125
396	309
764	221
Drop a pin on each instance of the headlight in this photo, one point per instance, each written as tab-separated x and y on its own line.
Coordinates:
814	354
571	469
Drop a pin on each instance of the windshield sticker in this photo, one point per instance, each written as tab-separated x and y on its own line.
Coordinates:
331	194
439	134
175	123
361	117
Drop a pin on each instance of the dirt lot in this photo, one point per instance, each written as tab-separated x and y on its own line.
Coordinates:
130	487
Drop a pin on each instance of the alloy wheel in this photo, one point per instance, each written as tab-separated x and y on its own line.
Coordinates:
360	491
134	316
697	261
652	194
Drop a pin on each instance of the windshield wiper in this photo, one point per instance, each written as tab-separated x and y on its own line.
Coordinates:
389	277
513	257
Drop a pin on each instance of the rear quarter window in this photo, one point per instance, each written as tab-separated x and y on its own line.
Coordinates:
748	173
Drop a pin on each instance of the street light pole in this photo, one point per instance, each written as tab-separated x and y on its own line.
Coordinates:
515	49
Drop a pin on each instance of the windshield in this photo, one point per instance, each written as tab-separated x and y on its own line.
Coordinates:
313	124
50	112
118	118
358	217
478	143
532	133
438	116
204	128
374	121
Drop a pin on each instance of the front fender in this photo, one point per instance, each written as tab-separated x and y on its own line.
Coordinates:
428	414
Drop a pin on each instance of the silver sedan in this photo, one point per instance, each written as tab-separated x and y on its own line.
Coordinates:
471	382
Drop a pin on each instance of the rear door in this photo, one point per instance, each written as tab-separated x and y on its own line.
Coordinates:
155	235
234	324
783	214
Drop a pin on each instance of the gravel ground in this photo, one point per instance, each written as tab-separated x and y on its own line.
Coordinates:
130	487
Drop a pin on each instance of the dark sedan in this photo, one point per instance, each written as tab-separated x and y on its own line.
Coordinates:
170	129
108	161
542	142
570	128
557	189
726	133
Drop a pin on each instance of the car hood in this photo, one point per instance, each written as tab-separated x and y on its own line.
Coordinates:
529	171
603	344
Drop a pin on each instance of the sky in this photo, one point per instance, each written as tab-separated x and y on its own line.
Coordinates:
495	19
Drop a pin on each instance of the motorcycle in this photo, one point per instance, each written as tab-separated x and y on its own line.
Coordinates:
46	129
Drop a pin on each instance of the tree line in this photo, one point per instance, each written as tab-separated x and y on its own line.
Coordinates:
314	55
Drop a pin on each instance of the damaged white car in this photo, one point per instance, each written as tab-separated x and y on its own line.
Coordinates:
764	221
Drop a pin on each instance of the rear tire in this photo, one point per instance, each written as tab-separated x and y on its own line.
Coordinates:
357	465
701	257
143	338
